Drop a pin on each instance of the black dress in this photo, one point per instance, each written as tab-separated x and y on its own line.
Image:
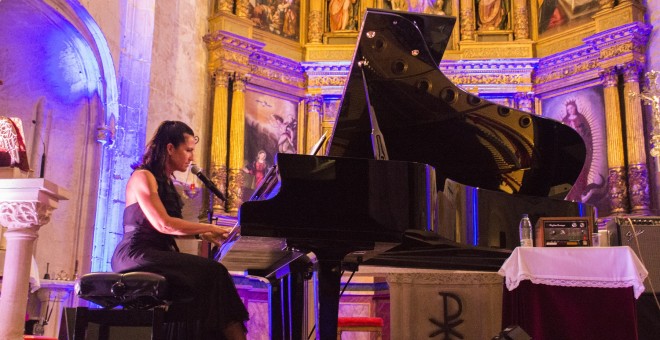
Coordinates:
201	289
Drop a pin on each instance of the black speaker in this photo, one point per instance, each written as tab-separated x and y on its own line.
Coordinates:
645	231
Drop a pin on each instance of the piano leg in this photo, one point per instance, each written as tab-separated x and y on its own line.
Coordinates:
329	280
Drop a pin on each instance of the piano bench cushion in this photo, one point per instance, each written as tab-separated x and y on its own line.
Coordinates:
359	322
132	290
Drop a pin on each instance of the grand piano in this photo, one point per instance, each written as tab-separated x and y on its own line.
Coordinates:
406	140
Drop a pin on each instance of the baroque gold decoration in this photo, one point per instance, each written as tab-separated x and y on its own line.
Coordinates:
219	178
278	69
315	27
235	190
650	95
467	24
638	188
521	25
606	4
242	8
225	5
618	191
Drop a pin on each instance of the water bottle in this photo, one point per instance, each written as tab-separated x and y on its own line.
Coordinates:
525	229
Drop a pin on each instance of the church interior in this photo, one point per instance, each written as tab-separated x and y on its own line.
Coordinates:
83	84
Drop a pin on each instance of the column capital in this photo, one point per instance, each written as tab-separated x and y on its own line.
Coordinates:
609	76
631	71
240	81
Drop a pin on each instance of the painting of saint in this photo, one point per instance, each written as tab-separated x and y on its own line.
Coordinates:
276	16
557	15
270	128
584	111
343	15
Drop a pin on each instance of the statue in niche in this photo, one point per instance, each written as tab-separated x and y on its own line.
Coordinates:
492	14
342	14
436	7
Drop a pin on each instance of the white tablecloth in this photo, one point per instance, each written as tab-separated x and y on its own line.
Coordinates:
603	267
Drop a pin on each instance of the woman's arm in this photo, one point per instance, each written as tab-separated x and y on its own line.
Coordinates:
143	189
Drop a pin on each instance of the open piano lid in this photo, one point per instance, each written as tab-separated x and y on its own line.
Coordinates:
425	118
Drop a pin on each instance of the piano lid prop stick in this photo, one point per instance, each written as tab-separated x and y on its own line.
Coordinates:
377	140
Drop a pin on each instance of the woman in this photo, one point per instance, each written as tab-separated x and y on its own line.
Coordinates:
201	289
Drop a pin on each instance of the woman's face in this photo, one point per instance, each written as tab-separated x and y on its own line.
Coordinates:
181	156
261	156
571	109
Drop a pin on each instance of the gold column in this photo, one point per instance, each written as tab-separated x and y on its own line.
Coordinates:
315	22
521	24
467	20
225	5
242	8
219	138
313	121
638	185
236	144
616	180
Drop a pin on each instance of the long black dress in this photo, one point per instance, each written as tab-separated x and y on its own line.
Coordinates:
201	289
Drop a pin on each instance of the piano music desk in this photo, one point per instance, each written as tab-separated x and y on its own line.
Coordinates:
573	292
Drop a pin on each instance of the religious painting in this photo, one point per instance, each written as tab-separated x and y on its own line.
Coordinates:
281	17
584	111
438	7
343	15
271	125
555	16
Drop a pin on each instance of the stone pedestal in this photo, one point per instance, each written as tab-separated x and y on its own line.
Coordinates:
25	205
444	304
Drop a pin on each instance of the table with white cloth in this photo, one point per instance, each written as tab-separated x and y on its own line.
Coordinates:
573	292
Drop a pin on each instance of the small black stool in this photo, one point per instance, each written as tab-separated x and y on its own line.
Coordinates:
142	295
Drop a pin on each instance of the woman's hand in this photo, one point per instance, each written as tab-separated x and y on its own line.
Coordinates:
216	236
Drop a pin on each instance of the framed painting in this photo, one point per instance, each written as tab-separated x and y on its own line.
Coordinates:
271	126
280	17
555	16
583	109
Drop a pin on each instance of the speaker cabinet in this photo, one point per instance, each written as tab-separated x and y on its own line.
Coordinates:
647	231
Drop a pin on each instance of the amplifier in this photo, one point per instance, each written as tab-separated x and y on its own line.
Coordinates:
563	231
645	231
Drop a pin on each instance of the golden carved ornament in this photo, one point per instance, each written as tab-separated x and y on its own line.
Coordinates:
606	4
496	79
278	76
467	24
566	72
620	49
326	81
618	190
242	8
490	53
22	215
235	190
609	77
638	187
631	72
315	27
521	26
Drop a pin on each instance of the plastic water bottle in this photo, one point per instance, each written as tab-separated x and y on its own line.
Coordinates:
525	229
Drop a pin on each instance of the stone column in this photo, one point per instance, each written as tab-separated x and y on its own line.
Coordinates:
616	180
521	24
53	295
638	186
25	206
237	145
219	139
467	20
314	115
315	22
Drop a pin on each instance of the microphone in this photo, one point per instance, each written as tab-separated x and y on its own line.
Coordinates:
207	182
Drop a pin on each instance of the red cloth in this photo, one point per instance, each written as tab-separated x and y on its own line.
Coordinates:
359	321
555	312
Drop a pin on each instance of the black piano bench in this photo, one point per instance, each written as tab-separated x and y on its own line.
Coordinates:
142	296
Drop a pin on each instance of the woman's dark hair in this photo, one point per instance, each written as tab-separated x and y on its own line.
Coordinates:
155	156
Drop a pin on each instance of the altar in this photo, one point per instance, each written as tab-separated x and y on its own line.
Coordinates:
573	292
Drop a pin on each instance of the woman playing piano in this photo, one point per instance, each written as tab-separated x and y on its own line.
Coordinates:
201	288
